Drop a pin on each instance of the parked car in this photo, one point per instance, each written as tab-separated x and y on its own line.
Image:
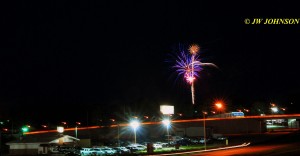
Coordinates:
138	146
141	147
207	140
183	142
157	146
98	151
121	150
86	151
132	148
221	138
109	151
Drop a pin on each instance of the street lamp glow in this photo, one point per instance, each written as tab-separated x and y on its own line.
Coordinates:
25	129
166	122
274	109
60	129
219	105
134	124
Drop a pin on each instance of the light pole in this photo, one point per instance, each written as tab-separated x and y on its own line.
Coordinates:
167	123
204	130
76	131
119	135
134	124
77	124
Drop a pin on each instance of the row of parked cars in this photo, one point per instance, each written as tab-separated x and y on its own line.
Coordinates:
113	150
131	148
104	150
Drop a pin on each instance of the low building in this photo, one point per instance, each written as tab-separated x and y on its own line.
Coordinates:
39	144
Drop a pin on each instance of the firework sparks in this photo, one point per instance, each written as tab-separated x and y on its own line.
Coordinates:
189	65
194	49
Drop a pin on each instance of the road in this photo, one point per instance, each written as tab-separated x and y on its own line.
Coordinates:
271	150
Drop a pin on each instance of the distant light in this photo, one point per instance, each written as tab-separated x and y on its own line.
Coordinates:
64	123
134	124
60	129
25	129
219	105
274	109
78	123
247	110
166	122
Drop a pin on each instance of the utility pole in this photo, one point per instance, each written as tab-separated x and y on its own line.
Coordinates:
0	142
204	130
118	135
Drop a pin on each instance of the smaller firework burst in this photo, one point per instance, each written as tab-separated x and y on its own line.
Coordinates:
194	49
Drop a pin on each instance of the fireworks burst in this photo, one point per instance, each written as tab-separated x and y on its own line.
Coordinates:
189	65
194	49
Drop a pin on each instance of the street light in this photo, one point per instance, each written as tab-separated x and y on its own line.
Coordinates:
274	109
167	123
204	130
134	124
25	129
219	106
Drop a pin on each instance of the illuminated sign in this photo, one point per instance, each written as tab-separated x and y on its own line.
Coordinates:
167	109
237	114
60	129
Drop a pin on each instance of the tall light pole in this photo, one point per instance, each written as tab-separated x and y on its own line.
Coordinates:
204	130
134	124
77	124
118	135
167	123
76	131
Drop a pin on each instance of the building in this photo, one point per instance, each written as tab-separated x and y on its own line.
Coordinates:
228	115
39	144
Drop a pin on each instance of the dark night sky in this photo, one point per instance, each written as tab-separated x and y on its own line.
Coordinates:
60	59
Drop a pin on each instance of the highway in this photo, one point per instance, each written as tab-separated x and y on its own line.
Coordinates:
272	150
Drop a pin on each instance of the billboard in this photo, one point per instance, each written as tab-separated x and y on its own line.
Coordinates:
167	109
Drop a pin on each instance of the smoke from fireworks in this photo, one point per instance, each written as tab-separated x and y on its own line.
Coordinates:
189	65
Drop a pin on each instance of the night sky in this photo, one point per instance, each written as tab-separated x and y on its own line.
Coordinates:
63	60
